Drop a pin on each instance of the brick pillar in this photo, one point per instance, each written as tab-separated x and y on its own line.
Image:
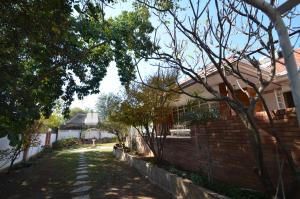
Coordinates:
48	138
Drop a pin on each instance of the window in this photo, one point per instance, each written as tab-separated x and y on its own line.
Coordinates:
288	99
279	99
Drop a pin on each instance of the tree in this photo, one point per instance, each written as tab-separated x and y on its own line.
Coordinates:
148	110
28	139
75	110
201	37
48	52
117	128
108	105
53	122
275	14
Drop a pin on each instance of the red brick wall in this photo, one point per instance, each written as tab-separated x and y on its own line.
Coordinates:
230	154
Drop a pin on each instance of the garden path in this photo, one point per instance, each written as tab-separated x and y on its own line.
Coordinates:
83	173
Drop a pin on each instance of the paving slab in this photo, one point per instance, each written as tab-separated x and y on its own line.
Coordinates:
81	182
84	188
82	172
81	197
82	168
81	177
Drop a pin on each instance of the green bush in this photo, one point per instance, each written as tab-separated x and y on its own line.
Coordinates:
114	139
66	143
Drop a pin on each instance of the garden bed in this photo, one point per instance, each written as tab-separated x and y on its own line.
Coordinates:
177	186
200	179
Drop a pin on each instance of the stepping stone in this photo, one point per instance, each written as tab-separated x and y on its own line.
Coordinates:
82	165
81	177
81	182
82	172
82	189
82	168
81	197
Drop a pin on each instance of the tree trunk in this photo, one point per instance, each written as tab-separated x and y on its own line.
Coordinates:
290	62
25	154
254	135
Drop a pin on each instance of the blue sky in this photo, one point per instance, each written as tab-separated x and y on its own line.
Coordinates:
111	82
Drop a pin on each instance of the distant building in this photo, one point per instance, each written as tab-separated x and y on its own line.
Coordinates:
83	125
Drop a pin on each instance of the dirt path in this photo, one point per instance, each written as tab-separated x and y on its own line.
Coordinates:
55	175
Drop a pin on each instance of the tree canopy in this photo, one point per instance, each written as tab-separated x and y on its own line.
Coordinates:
48	52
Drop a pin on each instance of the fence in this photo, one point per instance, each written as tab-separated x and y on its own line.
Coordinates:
4	144
65	134
222	149
88	134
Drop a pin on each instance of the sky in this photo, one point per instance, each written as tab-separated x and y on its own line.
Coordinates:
111	82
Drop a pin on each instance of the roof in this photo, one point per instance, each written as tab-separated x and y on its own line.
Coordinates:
83	120
77	119
211	69
280	67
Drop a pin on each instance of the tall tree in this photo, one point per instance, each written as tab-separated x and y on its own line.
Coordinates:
106	103
75	110
48	52
275	13
109	105
148	110
205	37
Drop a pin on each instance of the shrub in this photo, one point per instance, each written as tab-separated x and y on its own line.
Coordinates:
67	143
122	146
219	187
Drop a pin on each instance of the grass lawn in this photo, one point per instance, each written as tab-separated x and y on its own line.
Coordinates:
52	175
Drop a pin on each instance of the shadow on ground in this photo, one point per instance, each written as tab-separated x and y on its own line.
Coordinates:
52	175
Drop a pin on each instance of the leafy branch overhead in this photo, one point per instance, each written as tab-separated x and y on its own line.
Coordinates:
48	52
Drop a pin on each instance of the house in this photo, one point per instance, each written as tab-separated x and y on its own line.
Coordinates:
83	125
221	149
277	95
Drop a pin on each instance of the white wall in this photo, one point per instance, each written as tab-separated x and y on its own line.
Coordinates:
4	144
53	138
36	149
195	88
105	134
270	99
64	134
90	134
97	134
